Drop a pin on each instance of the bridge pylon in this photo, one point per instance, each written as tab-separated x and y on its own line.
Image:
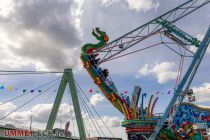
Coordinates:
67	78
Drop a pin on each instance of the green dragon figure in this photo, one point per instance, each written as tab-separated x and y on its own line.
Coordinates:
99	35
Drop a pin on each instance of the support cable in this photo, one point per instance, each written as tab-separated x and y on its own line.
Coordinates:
29	91
27	102
181	67
83	108
177	76
28	73
93	108
9	71
44	101
91	114
151	46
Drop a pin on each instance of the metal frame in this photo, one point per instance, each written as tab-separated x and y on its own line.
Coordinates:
152	27
185	83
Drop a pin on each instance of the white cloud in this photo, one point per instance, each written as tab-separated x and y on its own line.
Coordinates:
142	5
161	71
40	113
6	7
6	108
96	98
202	93
138	5
199	37
108	2
111	121
77	12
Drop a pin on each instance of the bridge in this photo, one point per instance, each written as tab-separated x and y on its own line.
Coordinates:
10	131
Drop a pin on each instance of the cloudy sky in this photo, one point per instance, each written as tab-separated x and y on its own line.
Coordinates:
48	35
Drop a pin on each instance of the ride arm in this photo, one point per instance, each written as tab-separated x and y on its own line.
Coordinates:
152	27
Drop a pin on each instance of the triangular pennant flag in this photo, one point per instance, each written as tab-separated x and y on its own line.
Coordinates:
24	90
144	95
39	90
169	92
32	91
158	92
91	90
125	92
1	87
9	88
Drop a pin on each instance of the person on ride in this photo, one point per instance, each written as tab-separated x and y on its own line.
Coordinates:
105	73
108	80
93	60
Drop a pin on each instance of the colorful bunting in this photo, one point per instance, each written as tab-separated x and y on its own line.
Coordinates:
24	90
39	91
32	91
9	88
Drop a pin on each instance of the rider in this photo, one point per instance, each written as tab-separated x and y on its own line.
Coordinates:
108	81
105	73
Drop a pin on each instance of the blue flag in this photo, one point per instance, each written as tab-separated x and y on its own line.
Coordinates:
144	95
169	92
1	87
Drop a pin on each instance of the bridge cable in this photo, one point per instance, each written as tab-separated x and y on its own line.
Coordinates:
98	115
28	73
31	71
28	101
94	108
34	112
91	114
72	114
29	91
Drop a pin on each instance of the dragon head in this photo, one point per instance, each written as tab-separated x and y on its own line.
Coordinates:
100	35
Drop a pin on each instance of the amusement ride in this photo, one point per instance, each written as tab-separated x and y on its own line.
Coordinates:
140	123
181	120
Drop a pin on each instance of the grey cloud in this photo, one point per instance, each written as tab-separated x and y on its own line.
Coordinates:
51	17
45	32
